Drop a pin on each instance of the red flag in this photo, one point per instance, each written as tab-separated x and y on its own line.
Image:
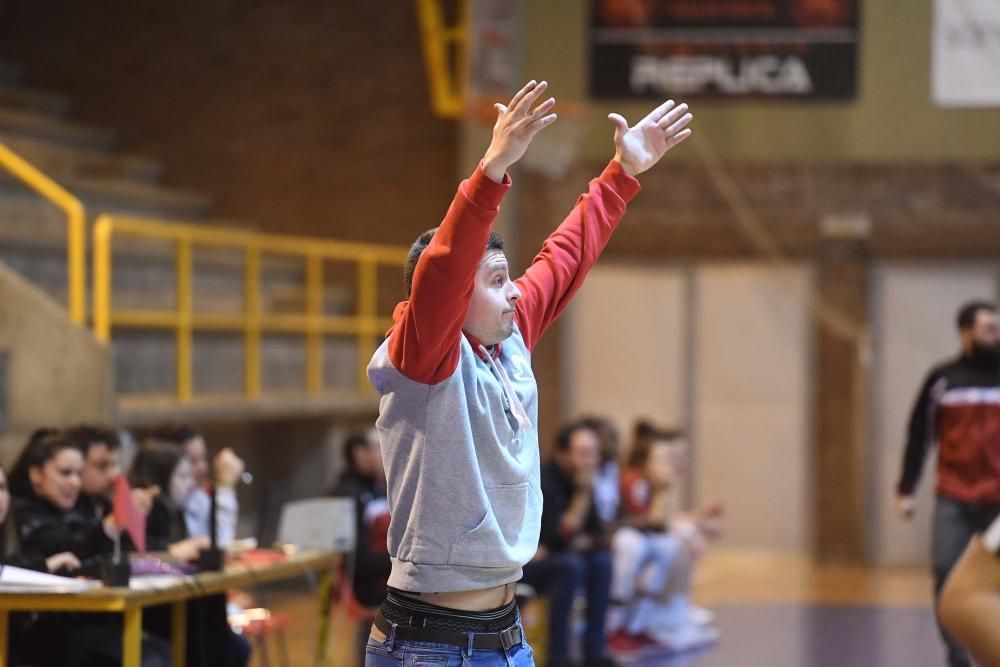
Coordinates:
128	516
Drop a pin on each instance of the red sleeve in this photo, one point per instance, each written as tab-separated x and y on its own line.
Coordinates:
557	272
424	341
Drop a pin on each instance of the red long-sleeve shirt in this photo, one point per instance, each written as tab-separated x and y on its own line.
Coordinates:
428	327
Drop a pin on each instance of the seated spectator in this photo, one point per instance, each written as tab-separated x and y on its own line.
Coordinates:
364	481
227	468
696	529
573	550
607	495
101	449
10	551
46	482
654	552
163	467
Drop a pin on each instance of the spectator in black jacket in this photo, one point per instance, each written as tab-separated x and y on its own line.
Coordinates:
162	467
10	542
46	482
958	408
364	481
573	552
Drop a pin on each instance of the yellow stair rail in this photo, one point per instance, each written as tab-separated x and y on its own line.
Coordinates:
76	222
314	324
446	75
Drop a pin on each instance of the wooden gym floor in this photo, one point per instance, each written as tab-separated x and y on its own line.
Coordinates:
773	611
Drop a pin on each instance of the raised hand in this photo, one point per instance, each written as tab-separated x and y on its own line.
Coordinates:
228	468
517	124
639	147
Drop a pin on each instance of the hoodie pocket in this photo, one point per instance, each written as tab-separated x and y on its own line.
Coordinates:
500	539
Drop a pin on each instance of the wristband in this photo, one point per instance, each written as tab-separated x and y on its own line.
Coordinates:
991	538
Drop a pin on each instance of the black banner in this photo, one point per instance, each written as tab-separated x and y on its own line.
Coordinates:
784	49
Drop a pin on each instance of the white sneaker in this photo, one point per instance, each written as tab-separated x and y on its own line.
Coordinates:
701	616
687	637
674	613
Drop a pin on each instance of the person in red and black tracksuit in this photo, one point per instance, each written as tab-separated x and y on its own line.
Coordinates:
959	409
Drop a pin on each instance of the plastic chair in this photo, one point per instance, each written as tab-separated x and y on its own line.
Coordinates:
256	625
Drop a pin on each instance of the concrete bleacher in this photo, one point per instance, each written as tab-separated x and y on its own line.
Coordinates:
90	164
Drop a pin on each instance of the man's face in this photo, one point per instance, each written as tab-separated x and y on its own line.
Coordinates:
197	455
584	453
491	311
101	468
986	329
365	459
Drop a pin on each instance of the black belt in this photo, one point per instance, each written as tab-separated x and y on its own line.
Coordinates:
504	640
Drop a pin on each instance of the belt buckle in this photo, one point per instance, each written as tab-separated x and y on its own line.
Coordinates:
510	637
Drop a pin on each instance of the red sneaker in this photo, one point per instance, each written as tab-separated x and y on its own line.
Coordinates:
625	646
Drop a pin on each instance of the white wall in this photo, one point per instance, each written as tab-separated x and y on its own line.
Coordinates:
624	355
645	341
913	311
726	350
753	401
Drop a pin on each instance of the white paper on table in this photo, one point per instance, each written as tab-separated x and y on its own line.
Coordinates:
19	579
156	582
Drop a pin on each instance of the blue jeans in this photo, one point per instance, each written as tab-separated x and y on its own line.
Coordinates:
559	577
955	523
396	653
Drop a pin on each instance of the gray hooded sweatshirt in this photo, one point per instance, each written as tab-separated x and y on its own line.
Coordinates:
457	422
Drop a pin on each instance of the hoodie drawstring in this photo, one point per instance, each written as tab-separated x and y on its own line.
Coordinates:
520	414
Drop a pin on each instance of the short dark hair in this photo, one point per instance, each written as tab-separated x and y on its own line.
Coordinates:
494	242
567	430
966	317
87	435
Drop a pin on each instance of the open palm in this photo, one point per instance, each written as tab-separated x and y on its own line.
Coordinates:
641	146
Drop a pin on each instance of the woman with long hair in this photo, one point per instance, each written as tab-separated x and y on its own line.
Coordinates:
46	483
164	467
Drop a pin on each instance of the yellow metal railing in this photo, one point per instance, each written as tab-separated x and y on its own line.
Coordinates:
447	75
314	323
76	222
